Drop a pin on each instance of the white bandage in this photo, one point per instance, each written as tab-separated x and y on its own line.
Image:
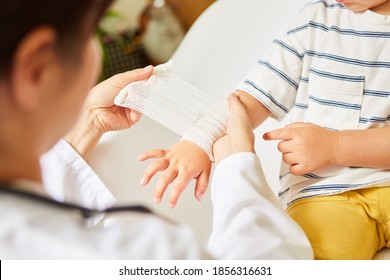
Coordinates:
174	103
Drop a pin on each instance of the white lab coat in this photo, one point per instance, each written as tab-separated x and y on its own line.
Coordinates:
248	221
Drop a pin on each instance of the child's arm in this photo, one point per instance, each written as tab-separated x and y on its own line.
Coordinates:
364	148
185	161
307	148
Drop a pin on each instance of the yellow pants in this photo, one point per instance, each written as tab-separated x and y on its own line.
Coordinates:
352	225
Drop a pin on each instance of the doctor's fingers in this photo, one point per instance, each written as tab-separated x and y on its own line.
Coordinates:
238	113
134	116
156	166
165	179
122	79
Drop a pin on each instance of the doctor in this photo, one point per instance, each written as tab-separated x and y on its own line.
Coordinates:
49	61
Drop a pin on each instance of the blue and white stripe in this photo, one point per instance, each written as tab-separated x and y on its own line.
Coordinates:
280	73
327	64
267	95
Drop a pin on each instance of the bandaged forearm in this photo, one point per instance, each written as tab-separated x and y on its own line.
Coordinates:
179	106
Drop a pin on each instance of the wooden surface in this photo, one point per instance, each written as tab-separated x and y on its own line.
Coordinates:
189	10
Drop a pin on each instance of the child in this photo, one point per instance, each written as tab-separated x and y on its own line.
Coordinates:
329	74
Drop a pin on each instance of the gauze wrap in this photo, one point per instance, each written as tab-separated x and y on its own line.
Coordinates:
179	106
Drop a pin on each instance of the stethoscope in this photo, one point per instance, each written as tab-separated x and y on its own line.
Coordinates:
85	212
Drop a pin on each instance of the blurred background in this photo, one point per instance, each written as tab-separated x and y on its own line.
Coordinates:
136	33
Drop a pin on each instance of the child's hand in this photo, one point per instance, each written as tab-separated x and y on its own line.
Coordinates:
305	147
180	164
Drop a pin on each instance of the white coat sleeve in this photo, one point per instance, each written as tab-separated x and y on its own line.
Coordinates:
67	177
248	220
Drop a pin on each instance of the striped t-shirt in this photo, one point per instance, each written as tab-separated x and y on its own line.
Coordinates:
331	68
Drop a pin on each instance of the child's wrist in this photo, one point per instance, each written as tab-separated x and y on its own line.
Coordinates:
336	154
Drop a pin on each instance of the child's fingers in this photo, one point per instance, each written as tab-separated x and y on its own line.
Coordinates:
297	170
298	124
178	186
289	158
156	166
201	185
155	153
285	146
165	179
278	134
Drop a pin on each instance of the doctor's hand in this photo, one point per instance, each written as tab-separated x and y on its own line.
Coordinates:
239	134
305	147
100	114
179	165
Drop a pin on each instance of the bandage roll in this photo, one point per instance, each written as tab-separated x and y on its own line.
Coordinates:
179	106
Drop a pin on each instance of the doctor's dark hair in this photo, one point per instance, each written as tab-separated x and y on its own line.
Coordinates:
73	21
